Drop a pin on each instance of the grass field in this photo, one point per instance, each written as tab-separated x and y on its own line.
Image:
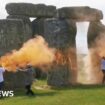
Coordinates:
73	95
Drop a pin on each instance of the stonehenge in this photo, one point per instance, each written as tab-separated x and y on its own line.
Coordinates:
57	26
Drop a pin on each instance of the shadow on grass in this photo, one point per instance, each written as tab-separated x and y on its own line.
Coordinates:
21	93
46	94
79	87
55	90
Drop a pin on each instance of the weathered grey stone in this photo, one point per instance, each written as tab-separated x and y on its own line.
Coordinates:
65	73
59	76
95	29
80	13
95	34
31	10
59	33
24	18
38	26
26	21
14	80
13	33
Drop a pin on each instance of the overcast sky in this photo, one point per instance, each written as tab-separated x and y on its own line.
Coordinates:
81	38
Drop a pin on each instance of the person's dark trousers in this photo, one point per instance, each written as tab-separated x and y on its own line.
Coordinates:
1	88
29	91
103	81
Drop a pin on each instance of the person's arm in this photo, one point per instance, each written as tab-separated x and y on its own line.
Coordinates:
34	72
19	69
2	69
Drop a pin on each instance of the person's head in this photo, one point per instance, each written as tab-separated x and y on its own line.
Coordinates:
0	65
21	67
28	66
103	57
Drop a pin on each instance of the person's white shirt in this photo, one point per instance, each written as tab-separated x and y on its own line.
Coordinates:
103	64
2	70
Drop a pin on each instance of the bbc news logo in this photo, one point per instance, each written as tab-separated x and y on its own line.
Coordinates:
6	93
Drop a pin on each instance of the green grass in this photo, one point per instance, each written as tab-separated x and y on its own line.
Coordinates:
74	95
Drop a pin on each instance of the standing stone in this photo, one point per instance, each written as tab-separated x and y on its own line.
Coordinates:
26	21
24	18
38	26
13	34
59	75
82	13
60	34
95	32
12	31
94	67
31	10
72	64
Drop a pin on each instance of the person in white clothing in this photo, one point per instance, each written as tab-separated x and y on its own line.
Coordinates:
2	70
103	68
